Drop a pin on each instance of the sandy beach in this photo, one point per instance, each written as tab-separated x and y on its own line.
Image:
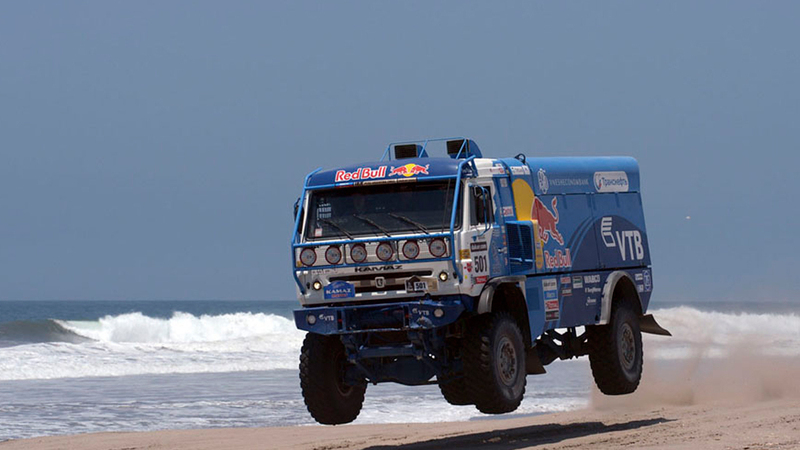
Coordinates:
765	425
744	401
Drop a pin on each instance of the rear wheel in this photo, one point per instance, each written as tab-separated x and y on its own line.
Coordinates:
322	367
615	351
494	363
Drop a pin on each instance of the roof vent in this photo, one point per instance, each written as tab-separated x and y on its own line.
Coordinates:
463	148
406	151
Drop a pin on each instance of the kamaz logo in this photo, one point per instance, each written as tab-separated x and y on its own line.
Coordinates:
378	268
629	242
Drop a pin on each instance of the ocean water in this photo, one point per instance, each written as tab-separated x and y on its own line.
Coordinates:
78	366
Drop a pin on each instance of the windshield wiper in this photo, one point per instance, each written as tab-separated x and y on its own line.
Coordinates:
405	219
336	225
372	222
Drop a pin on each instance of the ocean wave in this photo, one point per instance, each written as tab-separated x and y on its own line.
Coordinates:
180	328
717	334
135	344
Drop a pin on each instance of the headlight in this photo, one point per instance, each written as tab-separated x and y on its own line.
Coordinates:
384	252
437	247
411	249
443	276
317	285
333	255
308	256
358	253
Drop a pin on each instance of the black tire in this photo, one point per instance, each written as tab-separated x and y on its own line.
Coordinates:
455	391
615	351
494	363
322	365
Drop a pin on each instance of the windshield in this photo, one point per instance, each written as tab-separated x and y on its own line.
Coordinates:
381	209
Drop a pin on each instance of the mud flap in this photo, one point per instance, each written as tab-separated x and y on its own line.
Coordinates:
648	324
533	365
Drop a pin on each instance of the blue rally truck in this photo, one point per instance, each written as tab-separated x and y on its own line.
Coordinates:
468	272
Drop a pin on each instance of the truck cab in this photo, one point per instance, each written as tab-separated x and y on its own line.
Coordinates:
419	269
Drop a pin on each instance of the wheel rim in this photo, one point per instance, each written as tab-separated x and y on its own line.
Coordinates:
627	347
341	386
507	361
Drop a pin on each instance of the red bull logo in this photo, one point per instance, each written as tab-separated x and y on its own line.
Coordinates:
363	173
548	222
409	170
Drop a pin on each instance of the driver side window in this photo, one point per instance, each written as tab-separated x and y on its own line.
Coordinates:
480	214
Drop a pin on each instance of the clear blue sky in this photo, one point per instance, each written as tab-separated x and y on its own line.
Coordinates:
153	150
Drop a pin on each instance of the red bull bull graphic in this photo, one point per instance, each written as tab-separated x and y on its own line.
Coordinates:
409	170
548	222
363	173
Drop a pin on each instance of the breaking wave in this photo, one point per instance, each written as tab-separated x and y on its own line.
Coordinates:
718	334
134	344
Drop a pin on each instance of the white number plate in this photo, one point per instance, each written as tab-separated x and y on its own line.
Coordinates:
416	286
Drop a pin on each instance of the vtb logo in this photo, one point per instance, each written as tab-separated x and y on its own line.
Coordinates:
629	242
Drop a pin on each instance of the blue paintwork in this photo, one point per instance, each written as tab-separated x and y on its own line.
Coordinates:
591	223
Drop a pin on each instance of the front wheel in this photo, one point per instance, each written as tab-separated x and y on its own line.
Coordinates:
615	352
322	368
494	363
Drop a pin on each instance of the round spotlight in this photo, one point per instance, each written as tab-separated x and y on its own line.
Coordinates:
308	256
437	247
333	255
358	253
443	276
411	249
317	285
384	252
311	319
438	313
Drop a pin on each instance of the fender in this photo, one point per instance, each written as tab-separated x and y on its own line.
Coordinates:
487	295
608	293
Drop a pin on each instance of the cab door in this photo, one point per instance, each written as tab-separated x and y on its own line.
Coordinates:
484	237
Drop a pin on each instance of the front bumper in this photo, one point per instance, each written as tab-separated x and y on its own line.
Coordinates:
400	316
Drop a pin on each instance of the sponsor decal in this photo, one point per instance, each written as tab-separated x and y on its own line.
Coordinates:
567	182
566	279
339	289
592	290
640	287
377	268
558	260
479	246
503	182
566	291
497	169
326	318
363	173
317	232
551	310
409	170
591	279
521	170
468	266
638	277
550	289
464	253
616	181
629	242
548	222
481	280
591	301
508	211
543	184
648	281
577	282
